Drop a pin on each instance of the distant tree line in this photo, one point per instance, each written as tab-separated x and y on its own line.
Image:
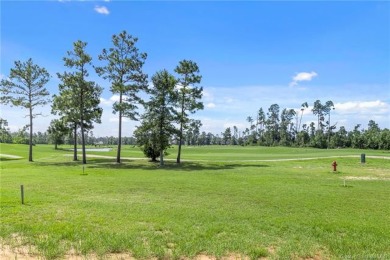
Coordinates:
22	137
285	128
371	137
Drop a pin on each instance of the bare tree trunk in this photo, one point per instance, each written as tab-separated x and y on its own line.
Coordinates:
30	157
181	129
180	141
82	125
118	155
75	143
161	158
83	142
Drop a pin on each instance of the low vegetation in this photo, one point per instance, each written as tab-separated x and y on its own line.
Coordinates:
221	201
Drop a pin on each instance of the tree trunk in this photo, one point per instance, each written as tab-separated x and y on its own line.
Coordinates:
118	155
83	142
329	131
161	135
180	141
75	143
181	129
161	158
55	146
30	157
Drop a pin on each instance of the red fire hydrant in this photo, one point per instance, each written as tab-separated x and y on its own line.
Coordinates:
334	164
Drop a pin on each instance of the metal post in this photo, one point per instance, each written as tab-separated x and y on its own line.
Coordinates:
22	193
363	158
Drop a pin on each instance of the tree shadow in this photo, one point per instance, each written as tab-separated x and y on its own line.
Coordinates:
5	159
138	164
173	166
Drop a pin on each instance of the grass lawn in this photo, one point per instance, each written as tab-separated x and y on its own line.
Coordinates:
221	201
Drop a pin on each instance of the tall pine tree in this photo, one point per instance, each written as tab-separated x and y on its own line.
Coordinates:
124	71
84	94
25	87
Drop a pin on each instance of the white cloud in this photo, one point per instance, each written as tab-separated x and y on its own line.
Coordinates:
206	94
359	107
302	76
115	118
102	10
179	86
105	102
111	100
210	105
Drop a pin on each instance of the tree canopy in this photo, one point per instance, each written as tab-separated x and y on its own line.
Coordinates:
79	98
189	95
123	69
157	126
25	87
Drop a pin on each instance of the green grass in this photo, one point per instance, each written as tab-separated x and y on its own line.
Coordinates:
221	201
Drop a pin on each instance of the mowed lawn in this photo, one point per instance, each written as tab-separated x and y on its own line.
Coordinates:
222	201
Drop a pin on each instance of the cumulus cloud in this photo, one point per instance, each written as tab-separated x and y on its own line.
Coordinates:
105	102
111	100
374	107
302	76
102	10
210	105
114	118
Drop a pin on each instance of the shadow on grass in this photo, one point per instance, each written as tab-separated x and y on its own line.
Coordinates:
4	159
109	163
172	166
60	164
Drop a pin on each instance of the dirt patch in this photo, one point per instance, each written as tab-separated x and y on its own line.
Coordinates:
232	256
202	257
366	178
235	257
111	256
271	250
22	252
8	252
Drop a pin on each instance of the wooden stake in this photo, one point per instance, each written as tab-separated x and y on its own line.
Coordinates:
22	193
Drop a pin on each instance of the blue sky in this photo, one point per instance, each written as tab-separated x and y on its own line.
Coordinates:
250	54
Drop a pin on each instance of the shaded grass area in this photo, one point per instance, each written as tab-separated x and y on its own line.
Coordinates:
277	210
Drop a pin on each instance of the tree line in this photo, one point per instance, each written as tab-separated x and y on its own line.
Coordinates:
371	137
166	120
171	99
285	128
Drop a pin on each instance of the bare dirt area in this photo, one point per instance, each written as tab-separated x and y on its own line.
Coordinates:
17	249
23	252
366	178
9	253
